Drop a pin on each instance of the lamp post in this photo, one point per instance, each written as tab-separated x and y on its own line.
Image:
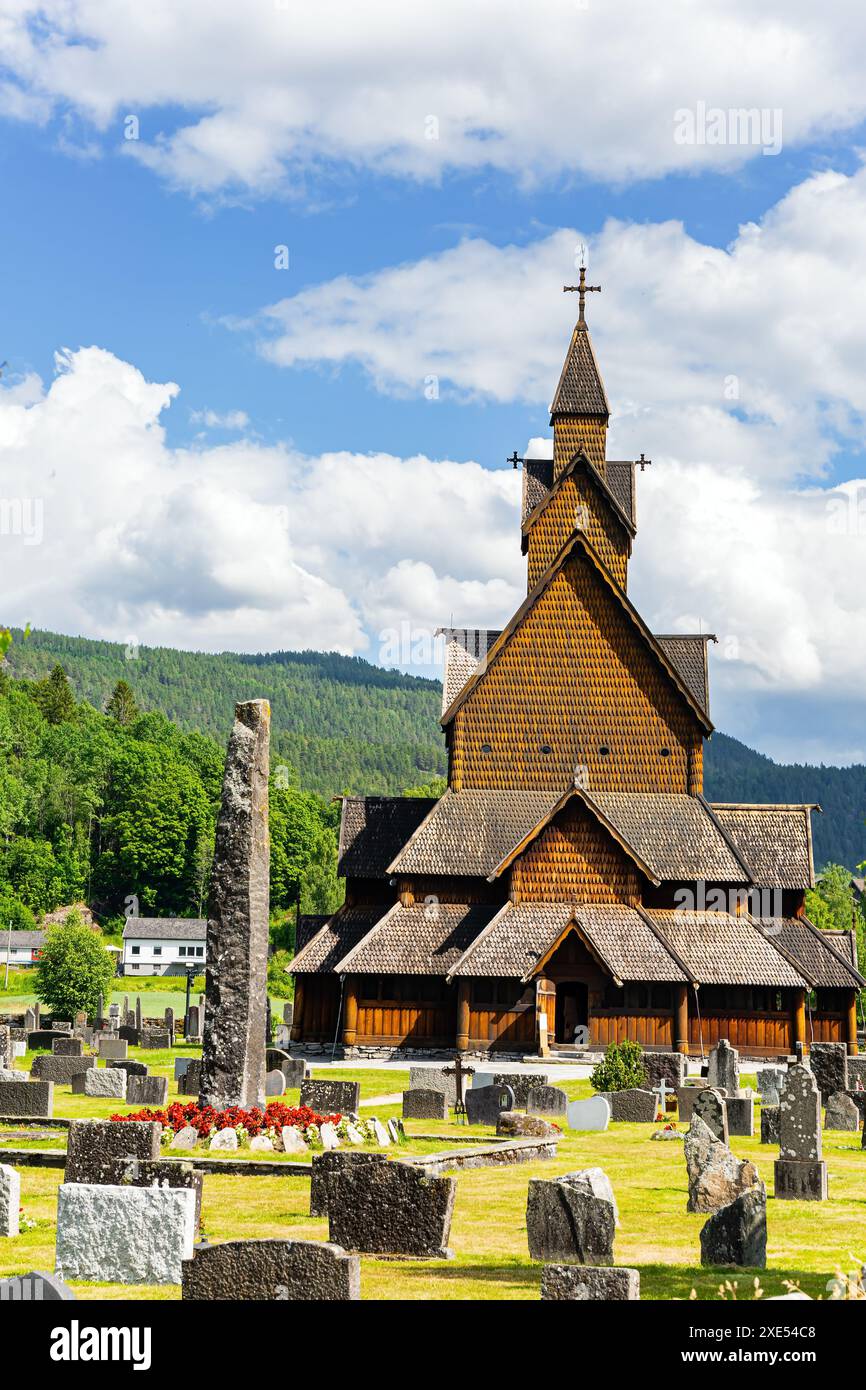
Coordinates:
8	954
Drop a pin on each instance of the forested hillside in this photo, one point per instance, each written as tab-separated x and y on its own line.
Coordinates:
341	724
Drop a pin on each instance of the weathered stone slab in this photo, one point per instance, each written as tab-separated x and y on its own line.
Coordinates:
516	1125
723	1071
740	1114
136	1172
716	1176
224	1139
68	1047
686	1097
841	1113
130	1067
829	1065
61	1070
546	1100
189	1084
294	1069
425	1105
800	1117
293	1140
669	1067
41	1037
592	1114
233	1054
325	1167
424	1078
5	1046
94	1146
711	1107
770	1124
35	1287
280	1270
521	1083
485	1105
10	1200
275	1083
737	1235
633	1106
112	1047
800	1180
390	1208
147	1090
856	1072
106	1081
157	1039
124	1234
590	1283
572	1219
34	1099
770	1083
332	1097
130	1035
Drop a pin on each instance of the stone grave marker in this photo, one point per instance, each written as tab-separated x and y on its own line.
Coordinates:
716	1177
124	1234
390	1209
332	1097
272	1270
800	1172
514	1124
425	1105
669	1067
328	1135
105	1081
395	1130
27	1099
193	1022
572	1219
131	1067
293	1141
590	1283
740	1114
737	1234
189	1082
112	1047
633	1105
546	1100
380	1133
180	1066
185	1138
10	1201
146	1090
36	1287
41	1037
67	1047
723	1072
829	1065
841	1113
224	1139
770	1083
710	1106
770	1127
484	1106
592	1114
275	1084
135	1172
430	1078
61	1070
94	1148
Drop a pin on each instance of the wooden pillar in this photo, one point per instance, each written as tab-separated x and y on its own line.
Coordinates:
798	1018
298	1015
681	1019
462	1015
851	1032
350	1011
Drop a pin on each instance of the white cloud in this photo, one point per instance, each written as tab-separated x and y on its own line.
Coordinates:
232	420
272	94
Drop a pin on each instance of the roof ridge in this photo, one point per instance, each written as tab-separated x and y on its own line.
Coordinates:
340	966
728	839
663	941
579	456
816	931
497	916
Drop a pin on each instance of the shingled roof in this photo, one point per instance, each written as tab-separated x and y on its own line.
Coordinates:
776	841
626	943
167	928
514	940
821	961
471	831
424	939
580	463
374	828
465	649
331	942
621	481
688	652
720	948
537	481
674	834
580	390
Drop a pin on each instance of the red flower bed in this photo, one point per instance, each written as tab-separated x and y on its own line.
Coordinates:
204	1119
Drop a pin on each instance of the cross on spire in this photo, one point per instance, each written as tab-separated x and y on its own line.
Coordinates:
581	289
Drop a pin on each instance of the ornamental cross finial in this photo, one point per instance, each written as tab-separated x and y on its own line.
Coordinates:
581	289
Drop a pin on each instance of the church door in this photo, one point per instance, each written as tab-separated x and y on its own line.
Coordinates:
572	1009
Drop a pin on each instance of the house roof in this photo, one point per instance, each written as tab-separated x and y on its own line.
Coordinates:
537	481
721	948
165	928
464	649
627	944
424	939
374	828
580	390
579	463
776	840
22	940
322	951
688	652
579	546
472	831
674	834
619	474
822	961
514	940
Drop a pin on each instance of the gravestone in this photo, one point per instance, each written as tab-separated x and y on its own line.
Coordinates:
189	1083
67	1047
380	1133
572	1219
484	1107
29	1020
193	1024
590	1284
669	1067
157	1039
710	1106
389	1208
5	1046
740	1114
737	1234
131	1067
328	1135
396	1131
61	1070
281	1270
10	1201
224	1139
332	1097
425	1105
146	1090
715	1176
185	1138
233	1055
514	1124
841	1113
275	1084
105	1081
41	1037
169	1019
136	1172
180	1066
546	1100
288	1013
770	1126
592	1114
423	1078
686	1097
857	1073
36	1287
130	1035
293	1140
521	1083
324	1169
261	1143
633	1105
723	1071
770	1083
94	1147
829	1065
112	1047
800	1172
138	1012
27	1099
124	1234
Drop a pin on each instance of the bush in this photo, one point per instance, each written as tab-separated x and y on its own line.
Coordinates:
279	982
73	971
621	1069
13	910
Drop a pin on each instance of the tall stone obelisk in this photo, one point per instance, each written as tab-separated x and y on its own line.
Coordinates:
233	1056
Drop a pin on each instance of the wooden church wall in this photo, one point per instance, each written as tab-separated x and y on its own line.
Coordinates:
577	506
572	433
575	679
395	1009
575	860
502	1014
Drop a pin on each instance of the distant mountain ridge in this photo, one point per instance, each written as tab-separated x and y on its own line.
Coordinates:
343	724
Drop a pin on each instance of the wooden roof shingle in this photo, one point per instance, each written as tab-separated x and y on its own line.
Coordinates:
822	962
722	948
374	828
326	947
776	841
470	832
424	939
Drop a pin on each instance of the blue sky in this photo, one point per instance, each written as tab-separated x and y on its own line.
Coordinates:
210	475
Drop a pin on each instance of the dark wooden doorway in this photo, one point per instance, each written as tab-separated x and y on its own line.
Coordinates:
572	1009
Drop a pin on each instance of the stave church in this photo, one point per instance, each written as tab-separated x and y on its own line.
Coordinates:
573	886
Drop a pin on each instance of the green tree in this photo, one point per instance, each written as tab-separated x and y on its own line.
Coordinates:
122	707
73	970
437	786
831	903
55	698
13	910
621	1069
31	869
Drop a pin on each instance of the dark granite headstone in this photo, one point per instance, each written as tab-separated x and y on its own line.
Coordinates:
590	1284
130	1035
669	1067
711	1107
41	1038
132	1068
147	1090
572	1219
829	1065
60	1070
189	1083
737	1235
546	1100
390	1209
331	1097
841	1113
770	1127
425	1105
23	1099
521	1083
272	1270
68	1047
325	1167
800	1172
484	1106
94	1146
233	1055
740	1113
634	1105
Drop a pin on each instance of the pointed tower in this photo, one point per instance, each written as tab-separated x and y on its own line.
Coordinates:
580	409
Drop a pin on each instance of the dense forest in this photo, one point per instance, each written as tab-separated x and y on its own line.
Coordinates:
111	760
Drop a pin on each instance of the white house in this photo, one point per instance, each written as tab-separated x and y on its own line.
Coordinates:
23	948
163	945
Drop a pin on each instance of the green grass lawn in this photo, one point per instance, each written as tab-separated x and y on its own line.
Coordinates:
807	1243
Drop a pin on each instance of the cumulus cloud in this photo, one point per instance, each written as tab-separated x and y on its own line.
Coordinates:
274	93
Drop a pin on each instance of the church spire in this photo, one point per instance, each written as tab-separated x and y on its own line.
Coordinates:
580	410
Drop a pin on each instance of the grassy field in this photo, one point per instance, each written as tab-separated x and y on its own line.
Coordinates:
158	993
808	1243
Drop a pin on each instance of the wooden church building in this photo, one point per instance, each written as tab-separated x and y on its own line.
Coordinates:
573	886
